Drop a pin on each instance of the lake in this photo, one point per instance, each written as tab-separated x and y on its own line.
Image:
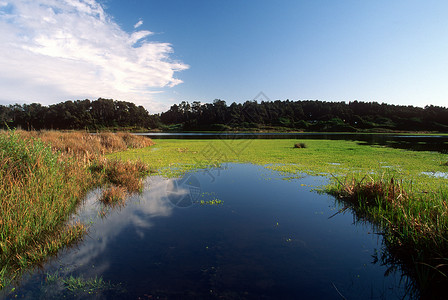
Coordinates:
236	232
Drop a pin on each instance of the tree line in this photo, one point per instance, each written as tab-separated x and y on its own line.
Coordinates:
306	115
79	114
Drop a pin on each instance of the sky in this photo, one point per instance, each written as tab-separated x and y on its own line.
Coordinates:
157	53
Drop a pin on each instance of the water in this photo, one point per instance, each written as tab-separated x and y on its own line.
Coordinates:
422	142
255	236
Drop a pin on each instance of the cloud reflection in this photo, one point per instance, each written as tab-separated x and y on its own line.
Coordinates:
137	216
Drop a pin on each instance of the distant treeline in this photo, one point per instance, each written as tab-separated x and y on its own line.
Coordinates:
79	114
306	115
268	115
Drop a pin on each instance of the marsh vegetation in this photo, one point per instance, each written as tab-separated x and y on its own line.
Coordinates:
44	176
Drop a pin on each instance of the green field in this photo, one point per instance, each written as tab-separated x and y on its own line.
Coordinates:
319	157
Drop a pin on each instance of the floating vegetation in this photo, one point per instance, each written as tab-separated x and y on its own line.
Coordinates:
60	286
208	198
210	202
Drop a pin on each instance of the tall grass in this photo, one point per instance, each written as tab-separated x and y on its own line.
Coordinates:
44	175
414	223
86	146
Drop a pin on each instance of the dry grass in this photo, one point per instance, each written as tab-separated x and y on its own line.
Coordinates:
87	146
43	176
113	196
125	174
300	145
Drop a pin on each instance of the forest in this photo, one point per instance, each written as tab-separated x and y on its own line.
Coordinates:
287	115
80	114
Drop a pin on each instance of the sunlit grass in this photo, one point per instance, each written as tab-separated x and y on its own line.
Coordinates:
44	176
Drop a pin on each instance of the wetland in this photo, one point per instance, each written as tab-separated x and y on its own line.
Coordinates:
257	218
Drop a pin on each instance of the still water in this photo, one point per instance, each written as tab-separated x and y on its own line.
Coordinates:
238	232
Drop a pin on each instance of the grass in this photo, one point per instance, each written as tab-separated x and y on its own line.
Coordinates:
414	224
388	187
172	157
44	176
58	285
78	285
113	196
299	145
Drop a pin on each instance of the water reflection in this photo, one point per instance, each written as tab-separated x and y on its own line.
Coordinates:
270	239
138	216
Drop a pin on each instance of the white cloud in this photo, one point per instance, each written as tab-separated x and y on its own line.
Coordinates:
55	50
138	24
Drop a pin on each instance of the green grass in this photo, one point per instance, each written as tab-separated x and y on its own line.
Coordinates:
77	285
383	185
43	178
39	192
173	157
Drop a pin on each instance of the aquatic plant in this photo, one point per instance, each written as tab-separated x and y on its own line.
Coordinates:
210	202
414	224
63	286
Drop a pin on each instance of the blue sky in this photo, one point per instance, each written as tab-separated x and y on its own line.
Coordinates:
160	52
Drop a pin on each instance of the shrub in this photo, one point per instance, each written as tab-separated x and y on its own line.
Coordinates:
300	145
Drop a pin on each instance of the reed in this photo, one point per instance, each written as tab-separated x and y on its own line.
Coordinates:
44	175
87	146
125	174
414	223
113	196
